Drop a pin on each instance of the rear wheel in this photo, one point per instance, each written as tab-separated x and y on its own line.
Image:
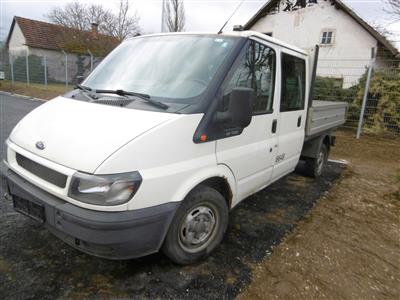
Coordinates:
198	226
315	166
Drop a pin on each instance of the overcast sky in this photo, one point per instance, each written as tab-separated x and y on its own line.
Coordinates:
201	15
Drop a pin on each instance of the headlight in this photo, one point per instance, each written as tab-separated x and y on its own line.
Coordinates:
104	190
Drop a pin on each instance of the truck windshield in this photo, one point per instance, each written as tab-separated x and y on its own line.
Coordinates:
173	68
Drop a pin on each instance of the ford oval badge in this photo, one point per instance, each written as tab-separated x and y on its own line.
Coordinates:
40	145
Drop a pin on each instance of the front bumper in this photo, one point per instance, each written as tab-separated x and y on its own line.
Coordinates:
113	235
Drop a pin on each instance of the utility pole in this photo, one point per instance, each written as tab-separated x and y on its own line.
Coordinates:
163	25
365	98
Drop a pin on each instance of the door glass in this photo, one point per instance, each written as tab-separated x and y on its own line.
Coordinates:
293	83
256	71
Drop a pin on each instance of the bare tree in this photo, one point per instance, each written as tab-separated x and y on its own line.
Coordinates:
80	16
382	30
100	16
394	9
72	15
174	15
124	25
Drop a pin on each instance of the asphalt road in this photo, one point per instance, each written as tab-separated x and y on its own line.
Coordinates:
12	109
36	265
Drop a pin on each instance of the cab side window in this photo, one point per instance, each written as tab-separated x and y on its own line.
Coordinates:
256	71
293	83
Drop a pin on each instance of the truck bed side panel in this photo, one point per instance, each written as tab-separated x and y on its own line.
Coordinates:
324	116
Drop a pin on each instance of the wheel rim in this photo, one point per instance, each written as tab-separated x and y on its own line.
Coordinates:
320	162
198	228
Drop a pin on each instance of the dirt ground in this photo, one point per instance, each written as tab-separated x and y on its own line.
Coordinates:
348	246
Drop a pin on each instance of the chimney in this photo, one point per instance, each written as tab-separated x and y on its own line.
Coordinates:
95	28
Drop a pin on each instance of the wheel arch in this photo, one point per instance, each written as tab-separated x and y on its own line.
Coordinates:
220	178
312	147
327	142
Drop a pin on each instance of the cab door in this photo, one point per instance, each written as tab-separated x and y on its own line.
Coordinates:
292	112
251	154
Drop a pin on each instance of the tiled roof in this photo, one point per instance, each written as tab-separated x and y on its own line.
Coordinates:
44	35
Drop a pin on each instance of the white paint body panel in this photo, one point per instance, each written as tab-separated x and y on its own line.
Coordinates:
158	145
250	155
290	135
81	135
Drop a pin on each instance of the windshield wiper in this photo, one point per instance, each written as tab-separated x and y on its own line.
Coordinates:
88	92
144	97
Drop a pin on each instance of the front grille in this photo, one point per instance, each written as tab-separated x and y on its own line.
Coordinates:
43	172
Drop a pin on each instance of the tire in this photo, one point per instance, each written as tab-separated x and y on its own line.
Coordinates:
197	227
315	166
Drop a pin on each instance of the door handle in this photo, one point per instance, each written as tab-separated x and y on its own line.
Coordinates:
274	125
299	121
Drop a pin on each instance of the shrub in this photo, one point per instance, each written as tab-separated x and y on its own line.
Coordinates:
382	113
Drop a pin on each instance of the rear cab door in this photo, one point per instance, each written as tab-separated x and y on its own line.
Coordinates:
292	108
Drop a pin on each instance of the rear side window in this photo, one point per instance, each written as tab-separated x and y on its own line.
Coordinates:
293	83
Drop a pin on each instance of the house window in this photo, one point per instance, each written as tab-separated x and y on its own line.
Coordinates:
327	38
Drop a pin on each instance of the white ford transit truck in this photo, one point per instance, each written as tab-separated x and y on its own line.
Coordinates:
164	138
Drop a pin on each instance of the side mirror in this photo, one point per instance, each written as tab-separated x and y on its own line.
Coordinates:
240	108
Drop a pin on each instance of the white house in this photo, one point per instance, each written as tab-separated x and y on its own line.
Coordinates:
345	39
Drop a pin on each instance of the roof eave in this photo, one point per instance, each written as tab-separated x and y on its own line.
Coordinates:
260	13
10	31
372	31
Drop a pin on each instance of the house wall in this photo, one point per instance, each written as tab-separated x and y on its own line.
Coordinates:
16	44
350	52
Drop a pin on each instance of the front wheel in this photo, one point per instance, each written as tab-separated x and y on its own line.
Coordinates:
198	226
315	166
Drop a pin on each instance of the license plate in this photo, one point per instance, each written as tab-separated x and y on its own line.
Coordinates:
29	208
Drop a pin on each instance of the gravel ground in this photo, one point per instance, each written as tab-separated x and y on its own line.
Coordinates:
34	264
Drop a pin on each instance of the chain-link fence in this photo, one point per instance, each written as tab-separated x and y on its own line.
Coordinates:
371	87
46	67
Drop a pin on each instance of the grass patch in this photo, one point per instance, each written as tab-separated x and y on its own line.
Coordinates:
34	89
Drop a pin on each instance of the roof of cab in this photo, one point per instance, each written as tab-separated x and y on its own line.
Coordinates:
245	34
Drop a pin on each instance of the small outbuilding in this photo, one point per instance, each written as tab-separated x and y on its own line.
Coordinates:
58	45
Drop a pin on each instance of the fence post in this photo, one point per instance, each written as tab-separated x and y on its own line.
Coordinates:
12	69
27	68
91	60
45	70
66	68
365	98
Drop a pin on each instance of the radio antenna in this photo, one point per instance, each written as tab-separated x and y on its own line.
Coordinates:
240	4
